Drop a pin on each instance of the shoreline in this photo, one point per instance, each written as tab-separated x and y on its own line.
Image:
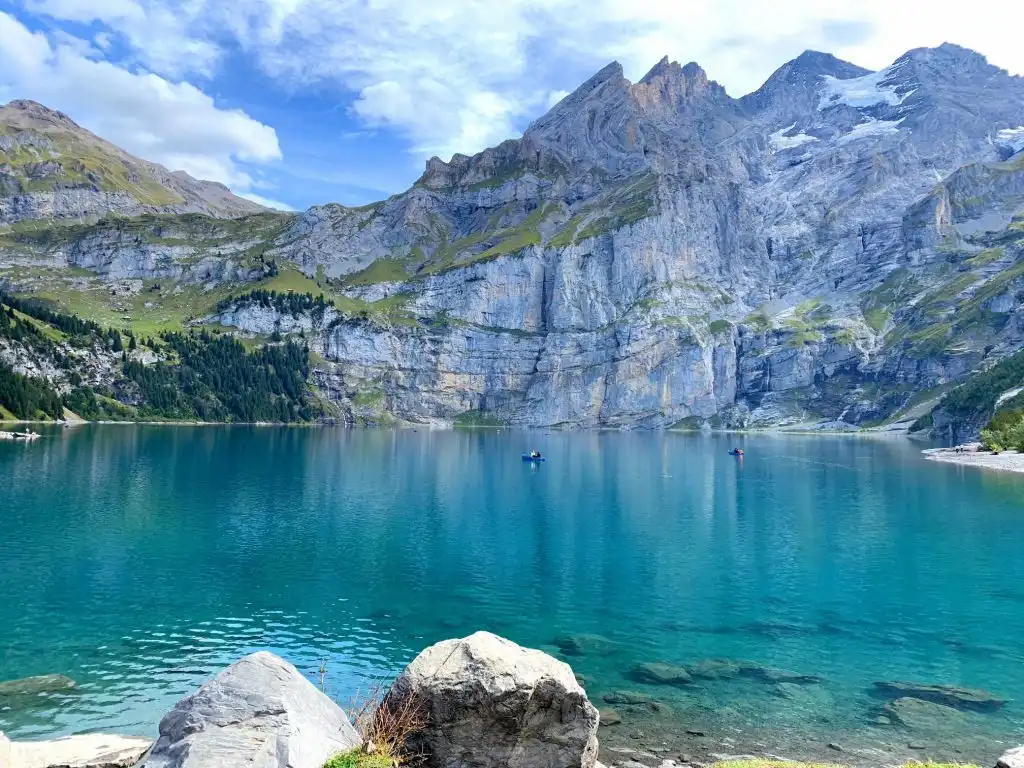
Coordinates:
1007	461
796	430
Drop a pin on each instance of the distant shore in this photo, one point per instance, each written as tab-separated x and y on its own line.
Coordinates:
970	456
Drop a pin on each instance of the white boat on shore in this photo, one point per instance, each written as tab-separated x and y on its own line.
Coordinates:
23	436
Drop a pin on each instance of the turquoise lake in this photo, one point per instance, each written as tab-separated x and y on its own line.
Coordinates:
139	560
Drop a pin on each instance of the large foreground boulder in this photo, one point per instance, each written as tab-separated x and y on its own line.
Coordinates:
489	703
258	713
92	750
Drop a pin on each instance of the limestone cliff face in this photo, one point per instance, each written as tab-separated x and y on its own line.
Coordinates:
820	251
834	249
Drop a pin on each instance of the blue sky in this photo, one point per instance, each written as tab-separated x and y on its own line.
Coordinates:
299	102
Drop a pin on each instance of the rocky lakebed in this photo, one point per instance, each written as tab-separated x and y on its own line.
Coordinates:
477	702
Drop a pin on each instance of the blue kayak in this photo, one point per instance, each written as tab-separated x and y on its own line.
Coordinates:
528	457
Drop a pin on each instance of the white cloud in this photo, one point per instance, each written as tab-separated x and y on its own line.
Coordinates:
266	201
174	124
554	97
161	35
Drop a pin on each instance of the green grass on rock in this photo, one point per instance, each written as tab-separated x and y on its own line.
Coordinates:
356	758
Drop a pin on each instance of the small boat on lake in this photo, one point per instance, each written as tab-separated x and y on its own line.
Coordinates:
531	457
736	452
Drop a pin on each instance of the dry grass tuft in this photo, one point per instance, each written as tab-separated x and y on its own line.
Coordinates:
388	724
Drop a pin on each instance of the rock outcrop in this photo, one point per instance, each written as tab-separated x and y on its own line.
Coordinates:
260	713
489	703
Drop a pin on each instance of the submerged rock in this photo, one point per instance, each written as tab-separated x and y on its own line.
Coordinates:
920	715
609	717
259	712
93	750
778	676
1013	758
724	669
30	686
660	673
715	669
585	645
627	697
489	703
949	695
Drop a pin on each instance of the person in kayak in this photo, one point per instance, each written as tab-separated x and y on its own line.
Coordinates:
736	452
535	454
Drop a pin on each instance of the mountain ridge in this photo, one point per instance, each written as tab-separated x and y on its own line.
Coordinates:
833	250
51	167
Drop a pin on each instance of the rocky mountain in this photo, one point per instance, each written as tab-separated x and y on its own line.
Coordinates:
836	249
53	169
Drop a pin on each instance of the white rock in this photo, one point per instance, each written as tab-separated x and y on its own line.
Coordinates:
93	750
1014	758
259	713
490	703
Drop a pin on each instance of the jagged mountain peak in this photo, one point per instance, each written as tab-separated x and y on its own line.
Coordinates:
818	64
949	66
606	83
793	88
945	55
659	69
669	69
677	81
622	127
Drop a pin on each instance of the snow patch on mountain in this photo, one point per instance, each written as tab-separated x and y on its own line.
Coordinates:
871	128
779	141
1012	138
861	92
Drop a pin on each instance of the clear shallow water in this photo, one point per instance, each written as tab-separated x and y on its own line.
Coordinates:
139	560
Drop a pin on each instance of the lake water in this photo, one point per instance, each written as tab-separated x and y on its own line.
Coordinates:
139	560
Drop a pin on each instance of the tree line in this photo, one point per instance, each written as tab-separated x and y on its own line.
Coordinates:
208	377
284	302
217	379
28	397
72	325
976	398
